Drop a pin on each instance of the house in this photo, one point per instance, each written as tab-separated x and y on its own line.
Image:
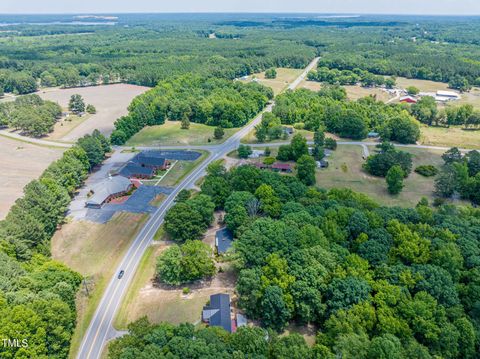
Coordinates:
108	189
282	167
148	159
134	170
408	99
223	240
217	313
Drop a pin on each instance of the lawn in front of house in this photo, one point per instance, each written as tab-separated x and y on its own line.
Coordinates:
171	134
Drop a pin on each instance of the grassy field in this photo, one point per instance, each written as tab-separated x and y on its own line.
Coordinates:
21	163
93	250
346	171
353	92
171	134
284	78
450	137
111	102
66	125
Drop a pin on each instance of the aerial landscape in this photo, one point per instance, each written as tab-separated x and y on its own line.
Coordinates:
240	179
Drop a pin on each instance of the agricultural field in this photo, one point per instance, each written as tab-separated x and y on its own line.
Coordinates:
94	250
21	162
345	171
171	134
284	78
111	102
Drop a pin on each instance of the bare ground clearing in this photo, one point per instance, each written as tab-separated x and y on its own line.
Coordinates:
21	162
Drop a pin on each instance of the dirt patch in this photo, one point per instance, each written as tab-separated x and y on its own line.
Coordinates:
21	163
111	102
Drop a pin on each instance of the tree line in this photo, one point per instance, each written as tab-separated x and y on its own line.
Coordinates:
37	294
192	98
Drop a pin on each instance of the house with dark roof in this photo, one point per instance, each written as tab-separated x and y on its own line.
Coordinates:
281	167
217	313
134	170
108	189
223	240
146	159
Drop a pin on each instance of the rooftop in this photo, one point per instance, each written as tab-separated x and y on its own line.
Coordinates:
108	187
281	166
223	240
218	312
132	169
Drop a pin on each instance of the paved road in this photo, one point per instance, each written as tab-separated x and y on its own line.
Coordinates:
100	329
35	141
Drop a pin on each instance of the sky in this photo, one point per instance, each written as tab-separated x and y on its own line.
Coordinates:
420	7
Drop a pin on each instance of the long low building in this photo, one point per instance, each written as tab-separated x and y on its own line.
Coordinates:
107	190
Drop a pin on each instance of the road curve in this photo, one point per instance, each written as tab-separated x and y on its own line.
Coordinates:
35	141
100	329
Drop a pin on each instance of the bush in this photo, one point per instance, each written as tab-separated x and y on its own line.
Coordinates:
427	170
269	161
331	143
244	151
91	109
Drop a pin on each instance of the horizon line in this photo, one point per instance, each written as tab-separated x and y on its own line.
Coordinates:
240	13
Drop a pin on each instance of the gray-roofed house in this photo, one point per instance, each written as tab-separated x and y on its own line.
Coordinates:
134	170
107	190
217	313
223	240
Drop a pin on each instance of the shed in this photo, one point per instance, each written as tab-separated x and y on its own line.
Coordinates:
223	240
217	313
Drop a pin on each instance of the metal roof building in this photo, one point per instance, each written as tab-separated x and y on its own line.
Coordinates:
108	189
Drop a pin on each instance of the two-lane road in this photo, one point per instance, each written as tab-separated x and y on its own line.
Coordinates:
100	329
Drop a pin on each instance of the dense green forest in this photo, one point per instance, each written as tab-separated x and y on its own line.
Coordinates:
329	108
37	294
211	101
399	281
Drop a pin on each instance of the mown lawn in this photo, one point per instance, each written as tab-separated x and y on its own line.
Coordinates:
345	171
171	134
